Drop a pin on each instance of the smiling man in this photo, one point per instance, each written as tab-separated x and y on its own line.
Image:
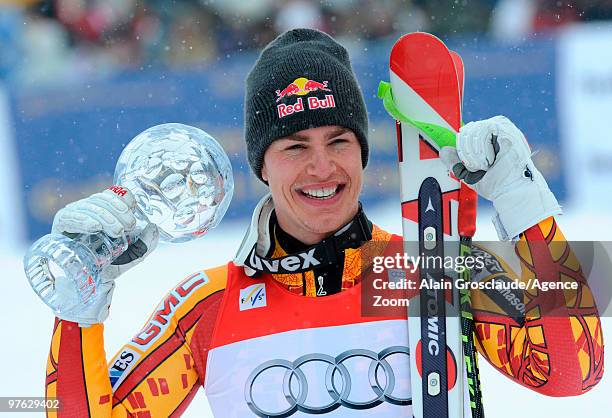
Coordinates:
279	330
315	178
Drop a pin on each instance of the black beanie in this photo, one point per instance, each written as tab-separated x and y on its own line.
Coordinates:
303	79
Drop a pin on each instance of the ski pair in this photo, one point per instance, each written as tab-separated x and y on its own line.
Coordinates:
424	96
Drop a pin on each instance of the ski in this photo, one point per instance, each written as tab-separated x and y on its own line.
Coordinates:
432	303
424	96
468	202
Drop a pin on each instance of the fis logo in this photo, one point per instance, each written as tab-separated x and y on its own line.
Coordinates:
300	87
253	296
123	363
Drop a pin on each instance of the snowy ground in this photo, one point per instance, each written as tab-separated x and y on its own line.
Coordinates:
26	323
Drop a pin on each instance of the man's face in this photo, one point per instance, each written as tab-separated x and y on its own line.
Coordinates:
315	178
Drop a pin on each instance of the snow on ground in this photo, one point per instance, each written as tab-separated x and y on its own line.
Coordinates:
26	322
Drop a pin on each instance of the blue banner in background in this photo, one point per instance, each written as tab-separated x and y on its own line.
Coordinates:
68	140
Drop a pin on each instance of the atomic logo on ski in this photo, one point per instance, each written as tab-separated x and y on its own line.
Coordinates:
429	206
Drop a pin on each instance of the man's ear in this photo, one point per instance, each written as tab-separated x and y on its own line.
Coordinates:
264	172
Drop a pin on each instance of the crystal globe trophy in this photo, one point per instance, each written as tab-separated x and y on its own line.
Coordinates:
182	181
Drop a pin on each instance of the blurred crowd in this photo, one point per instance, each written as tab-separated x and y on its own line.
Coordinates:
45	41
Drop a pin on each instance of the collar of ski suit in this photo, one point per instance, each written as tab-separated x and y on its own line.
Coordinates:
267	249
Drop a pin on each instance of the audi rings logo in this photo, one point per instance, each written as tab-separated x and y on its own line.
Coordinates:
382	391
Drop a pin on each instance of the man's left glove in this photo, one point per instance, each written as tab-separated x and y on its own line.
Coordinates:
492	156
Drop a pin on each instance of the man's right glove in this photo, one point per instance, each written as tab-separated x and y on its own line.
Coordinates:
112	213
493	157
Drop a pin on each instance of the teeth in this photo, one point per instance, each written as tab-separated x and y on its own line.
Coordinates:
324	193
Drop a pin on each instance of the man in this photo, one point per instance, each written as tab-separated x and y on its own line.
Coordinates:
278	331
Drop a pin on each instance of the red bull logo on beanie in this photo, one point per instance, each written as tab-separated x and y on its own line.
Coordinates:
301	87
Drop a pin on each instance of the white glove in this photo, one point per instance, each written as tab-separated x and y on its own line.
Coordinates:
493	157
110	212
